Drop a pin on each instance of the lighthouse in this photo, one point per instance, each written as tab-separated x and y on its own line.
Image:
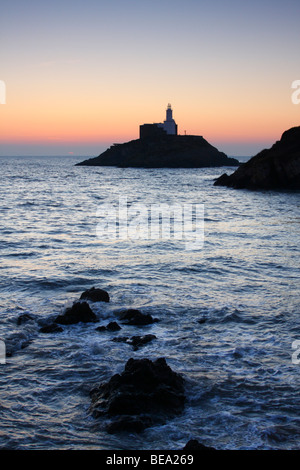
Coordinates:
169	124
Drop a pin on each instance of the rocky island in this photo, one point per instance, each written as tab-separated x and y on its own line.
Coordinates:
164	151
274	168
159	146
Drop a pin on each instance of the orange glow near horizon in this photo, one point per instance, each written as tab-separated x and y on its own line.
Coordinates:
94	121
227	71
45	111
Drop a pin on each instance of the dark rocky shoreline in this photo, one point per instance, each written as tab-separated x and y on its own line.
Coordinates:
275	168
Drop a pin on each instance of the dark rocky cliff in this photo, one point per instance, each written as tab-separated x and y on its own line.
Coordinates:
169	151
274	168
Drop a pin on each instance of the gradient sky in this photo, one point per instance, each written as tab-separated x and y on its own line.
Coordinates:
81	75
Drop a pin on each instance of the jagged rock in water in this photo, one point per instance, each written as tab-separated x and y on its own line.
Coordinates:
168	151
79	312
195	446
133	316
149	392
95	295
274	168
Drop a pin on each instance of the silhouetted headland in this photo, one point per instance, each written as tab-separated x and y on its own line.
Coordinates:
163	151
274	168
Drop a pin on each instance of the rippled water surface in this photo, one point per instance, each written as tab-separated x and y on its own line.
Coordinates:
229	312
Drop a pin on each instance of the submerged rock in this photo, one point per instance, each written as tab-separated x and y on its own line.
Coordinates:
274	168
148	391
112	326
135	317
129	424
138	341
121	339
135	341
95	295
17	341
79	312
24	318
52	328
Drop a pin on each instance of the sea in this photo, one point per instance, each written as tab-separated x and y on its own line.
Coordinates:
228	307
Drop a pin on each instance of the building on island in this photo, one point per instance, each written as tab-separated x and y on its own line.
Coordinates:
169	126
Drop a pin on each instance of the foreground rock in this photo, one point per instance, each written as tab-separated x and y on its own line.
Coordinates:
79	312
169	151
133	316
95	295
274	168
145	393
195	446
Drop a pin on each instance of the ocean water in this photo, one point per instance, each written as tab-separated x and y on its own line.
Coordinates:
228	311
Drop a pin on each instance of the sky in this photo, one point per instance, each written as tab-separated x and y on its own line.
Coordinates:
80	75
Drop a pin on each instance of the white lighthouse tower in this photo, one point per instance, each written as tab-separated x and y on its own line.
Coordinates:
169	124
